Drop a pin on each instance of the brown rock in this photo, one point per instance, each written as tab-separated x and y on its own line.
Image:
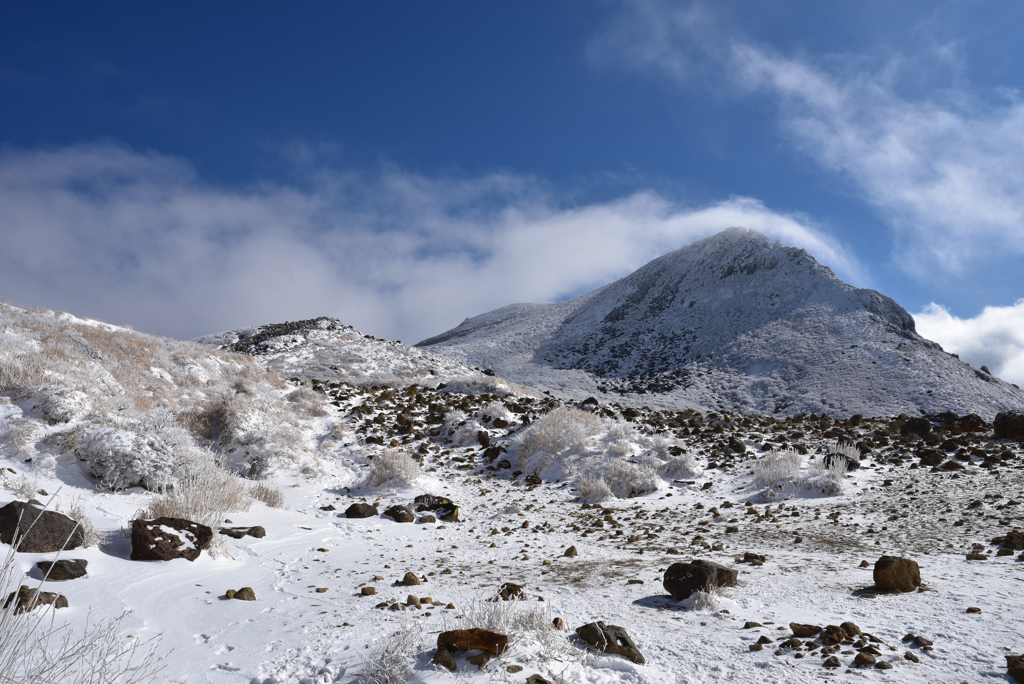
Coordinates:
804	630
480	660
1015	667
368	591
470	639
831	662
400	514
681	580
165	539
239	532
245	594
63	570
26	600
511	592
864	659
896	574
40	531
833	634
444	658
851	629
360	510
1009	425
610	639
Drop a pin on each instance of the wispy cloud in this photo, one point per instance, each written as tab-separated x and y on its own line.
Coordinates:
107	232
994	338
946	169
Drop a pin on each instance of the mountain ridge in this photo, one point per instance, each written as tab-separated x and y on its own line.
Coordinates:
735	322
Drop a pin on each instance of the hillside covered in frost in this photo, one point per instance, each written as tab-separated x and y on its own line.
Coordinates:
733	322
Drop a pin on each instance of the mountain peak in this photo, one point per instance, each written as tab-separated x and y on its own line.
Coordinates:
731	321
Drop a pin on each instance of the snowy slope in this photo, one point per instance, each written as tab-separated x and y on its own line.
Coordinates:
327	349
730	322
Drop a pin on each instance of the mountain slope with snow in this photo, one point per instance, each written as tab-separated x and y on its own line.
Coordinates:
731	322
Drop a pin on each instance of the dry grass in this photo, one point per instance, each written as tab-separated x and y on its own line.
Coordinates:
268	494
204	495
392	468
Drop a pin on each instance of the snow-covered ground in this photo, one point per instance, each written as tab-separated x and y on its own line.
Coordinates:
515	531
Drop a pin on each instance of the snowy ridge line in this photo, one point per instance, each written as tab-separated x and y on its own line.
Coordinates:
732	322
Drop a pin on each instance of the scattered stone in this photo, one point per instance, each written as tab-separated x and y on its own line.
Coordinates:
974	609
243	594
897	574
399	514
536	679
480	660
681	580
470	639
165	539
1009	425
239	532
831	662
321	590
1015	667
26	600
512	669
410	580
864	659
851	629
922	642
883	665
865	564
610	639
40	531
361	510
63	570
427	519
804	631
570	552
510	592
444	658
753	558
750	625
912	657
558	624
367	591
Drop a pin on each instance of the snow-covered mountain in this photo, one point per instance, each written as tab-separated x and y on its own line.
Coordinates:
732	322
327	349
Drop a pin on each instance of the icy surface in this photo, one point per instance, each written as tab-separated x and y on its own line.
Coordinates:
730	322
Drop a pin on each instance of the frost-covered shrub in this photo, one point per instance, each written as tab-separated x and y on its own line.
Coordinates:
269	495
393	468
77	513
593	489
777	467
147	450
621	440
467	434
627	479
496	410
203	494
390	660
61	404
563	434
680	467
453	420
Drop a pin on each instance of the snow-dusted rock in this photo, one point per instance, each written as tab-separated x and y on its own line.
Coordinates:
732	322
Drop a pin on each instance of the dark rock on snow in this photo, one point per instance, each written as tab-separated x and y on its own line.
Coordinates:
683	579
1009	425
471	639
62	570
26	599
239	532
610	639
892	573
41	531
361	510
400	514
169	538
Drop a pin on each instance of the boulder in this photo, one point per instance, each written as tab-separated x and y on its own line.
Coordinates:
470	639
361	510
1015	667
26	599
804	631
444	658
916	426
63	570
610	639
239	532
400	514
169	538
1009	425
40	531
897	574
510	592
683	579
931	457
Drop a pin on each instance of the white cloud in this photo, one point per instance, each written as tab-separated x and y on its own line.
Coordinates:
946	170
994	338
125	237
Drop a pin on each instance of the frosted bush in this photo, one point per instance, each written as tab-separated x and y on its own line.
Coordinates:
680	468
203	494
593	489
496	410
453	420
61	404
390	660
564	433
268	494
467	434
393	468
627	479
777	467
621	440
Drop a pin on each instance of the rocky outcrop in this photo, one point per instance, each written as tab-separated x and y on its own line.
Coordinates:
165	539
40	531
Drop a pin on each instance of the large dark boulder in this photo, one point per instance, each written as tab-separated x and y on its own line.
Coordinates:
1009	425
399	514
610	639
63	570
683	579
169	538
361	510
893	573
916	426
40	531
27	599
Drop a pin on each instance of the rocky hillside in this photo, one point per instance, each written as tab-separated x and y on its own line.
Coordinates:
731	322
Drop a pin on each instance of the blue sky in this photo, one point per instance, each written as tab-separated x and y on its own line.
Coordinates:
190	167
